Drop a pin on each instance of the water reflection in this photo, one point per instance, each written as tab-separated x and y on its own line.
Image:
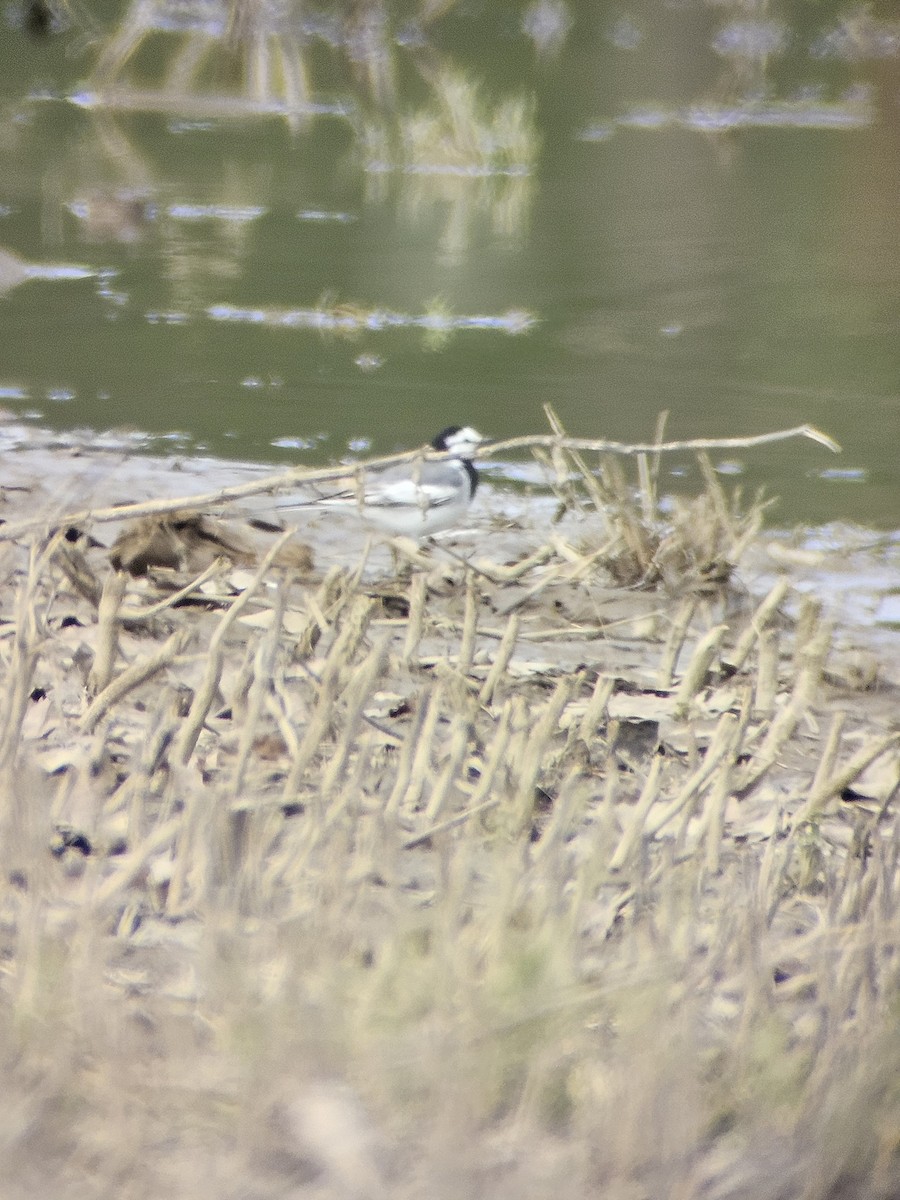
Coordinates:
106	183
857	36
460	151
438	324
14	271
548	23
335	169
854	111
462	155
258	39
264	48
114	215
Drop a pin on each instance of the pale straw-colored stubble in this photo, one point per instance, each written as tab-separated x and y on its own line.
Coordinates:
107	632
197	714
829	783
519	933
258	686
22	655
132	677
675	640
809	659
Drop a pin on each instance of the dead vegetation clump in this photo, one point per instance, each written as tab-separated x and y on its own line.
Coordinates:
695	546
494	879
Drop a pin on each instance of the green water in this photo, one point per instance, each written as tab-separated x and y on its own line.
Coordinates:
690	208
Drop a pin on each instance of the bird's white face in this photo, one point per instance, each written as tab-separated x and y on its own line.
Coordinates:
464	442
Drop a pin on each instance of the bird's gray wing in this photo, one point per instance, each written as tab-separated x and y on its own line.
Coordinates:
425	485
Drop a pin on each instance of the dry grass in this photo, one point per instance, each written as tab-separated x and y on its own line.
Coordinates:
499	879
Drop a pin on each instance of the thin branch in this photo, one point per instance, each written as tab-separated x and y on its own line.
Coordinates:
605	447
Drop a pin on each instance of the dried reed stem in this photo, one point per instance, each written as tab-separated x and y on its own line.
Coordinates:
260	687
501	661
199	710
459	737
721	746
454	822
107	631
26	642
133	616
829	754
418	593
356	693
698	668
408	751
833	785
135	675
537	742
131	865
470	626
421	773
674	642
766	684
712	823
593	714
637	819
810	660
332	594
74	566
759	622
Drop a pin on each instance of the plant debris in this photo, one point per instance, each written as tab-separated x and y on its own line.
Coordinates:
568	863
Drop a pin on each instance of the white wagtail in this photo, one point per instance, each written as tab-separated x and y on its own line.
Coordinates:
418	498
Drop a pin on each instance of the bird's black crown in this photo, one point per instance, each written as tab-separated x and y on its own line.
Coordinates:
440	442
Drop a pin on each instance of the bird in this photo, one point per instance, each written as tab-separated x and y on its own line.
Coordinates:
419	498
